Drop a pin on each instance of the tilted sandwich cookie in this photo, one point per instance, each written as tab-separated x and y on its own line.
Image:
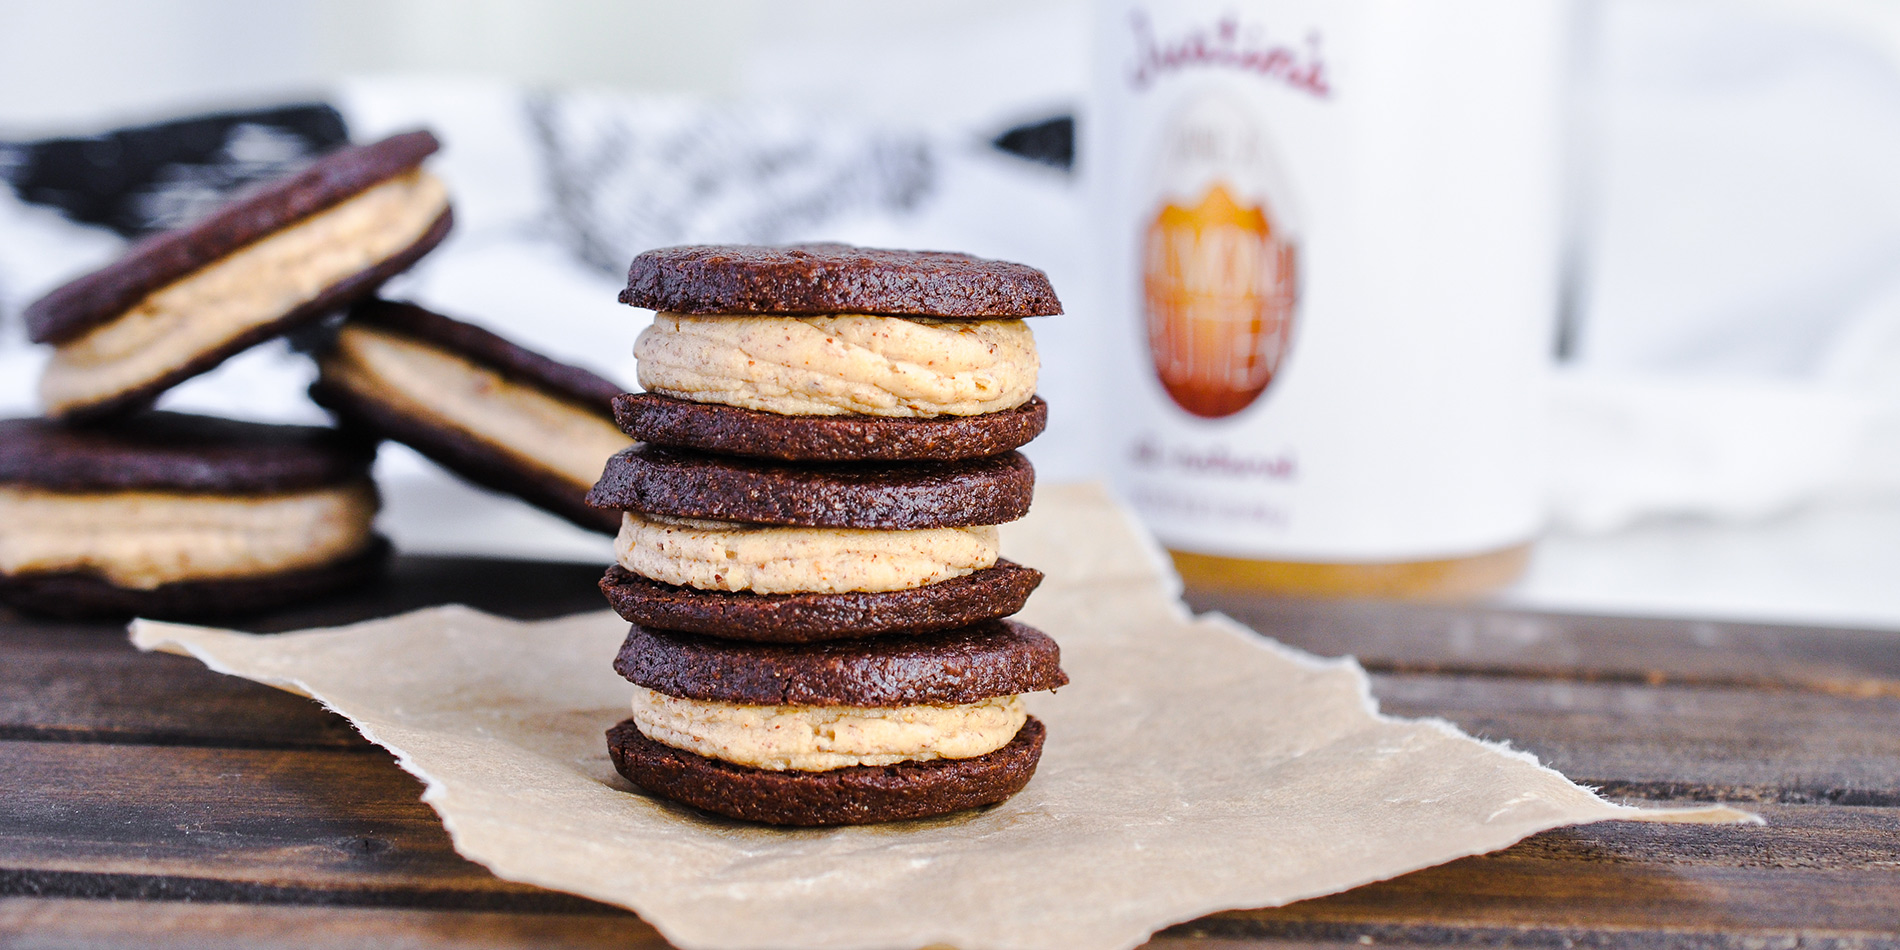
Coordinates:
842	733
178	516
809	540
498	415
179	303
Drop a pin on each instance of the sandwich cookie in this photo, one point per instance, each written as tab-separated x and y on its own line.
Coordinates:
770	551
492	412
826	352
179	303
834	733
178	516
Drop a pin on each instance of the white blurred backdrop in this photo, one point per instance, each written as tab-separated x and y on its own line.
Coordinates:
1726	422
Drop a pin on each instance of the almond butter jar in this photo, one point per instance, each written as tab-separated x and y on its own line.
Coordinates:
1329	247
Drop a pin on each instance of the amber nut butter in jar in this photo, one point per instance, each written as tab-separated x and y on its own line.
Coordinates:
1330	247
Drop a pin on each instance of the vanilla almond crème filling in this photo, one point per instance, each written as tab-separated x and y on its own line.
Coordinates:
243	290
422	380
144	539
769	559
847	363
821	738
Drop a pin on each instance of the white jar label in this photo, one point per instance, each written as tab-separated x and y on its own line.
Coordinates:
1330	246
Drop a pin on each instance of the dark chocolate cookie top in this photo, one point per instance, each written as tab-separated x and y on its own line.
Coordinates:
495	352
891	496
835	278
731	430
96	298
966	665
170	451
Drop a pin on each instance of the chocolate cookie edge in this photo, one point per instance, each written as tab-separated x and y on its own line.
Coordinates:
83	595
803	279
964	665
992	593
466	456
732	430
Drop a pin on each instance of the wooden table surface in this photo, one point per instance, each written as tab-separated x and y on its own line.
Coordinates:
145	800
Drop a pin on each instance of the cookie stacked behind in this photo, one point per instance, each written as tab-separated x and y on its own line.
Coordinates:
179	516
178	304
808	549
107	508
498	415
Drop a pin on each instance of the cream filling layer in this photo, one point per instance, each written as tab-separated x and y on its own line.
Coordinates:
241	291
144	539
767	559
847	363
822	738
416	378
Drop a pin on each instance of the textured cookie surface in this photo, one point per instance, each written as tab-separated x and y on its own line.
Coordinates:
992	658
175	452
807	618
97	297
487	349
834	278
78	595
730	430
467	456
885	495
849	796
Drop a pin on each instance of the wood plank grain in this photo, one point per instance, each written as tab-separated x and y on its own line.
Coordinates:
43	924
1418	637
1709	743
85	683
333	827
92	686
298	826
1817	872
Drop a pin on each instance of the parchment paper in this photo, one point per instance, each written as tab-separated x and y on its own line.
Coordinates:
1192	766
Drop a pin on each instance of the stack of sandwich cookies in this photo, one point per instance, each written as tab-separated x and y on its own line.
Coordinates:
180	303
846	732
178	516
498	415
809	547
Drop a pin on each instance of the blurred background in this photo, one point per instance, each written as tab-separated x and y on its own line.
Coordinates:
1725	413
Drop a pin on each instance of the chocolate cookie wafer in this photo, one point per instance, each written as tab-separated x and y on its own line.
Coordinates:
179	303
891	496
731	430
492	412
778	552
835	278
835	733
996	591
169	515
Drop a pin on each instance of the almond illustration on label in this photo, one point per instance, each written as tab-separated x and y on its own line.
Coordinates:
1220	293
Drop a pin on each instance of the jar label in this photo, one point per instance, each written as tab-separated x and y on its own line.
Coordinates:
1220	293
